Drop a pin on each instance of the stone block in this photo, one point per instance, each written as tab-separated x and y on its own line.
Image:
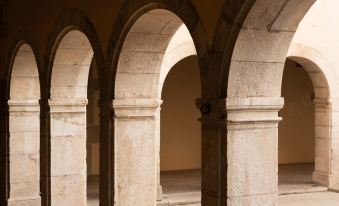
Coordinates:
262	14
24	123
73	57
291	15
25	202
68	124
262	46
68	190
322	118
322	155
25	88
77	75
24	191
318	80
322	131
135	162
252	162
68	155
24	168
146	42
243	79
68	92
321	92
24	143
156	22
25	66
75	40
254	200
140	62
136	86
334	156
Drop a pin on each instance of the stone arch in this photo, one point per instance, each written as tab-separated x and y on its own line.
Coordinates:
24	128
21	37
320	72
68	103
180	47
255	49
132	10
76	22
146	56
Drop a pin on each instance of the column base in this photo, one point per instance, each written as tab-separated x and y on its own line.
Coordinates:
29	201
159	193
253	200
321	178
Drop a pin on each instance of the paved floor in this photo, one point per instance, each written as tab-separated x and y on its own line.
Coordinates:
310	199
294	179
183	188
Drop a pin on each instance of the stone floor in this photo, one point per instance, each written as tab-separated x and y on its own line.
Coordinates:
183	188
294	179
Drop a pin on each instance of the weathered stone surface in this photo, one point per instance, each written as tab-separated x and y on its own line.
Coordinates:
244	79
68	151
137	86
68	190
254	200
265	46
136	158
28	202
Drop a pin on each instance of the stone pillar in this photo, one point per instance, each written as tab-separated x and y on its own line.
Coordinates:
321	174
135	151
68	152
24	157
158	138
213	149
252	151
334	148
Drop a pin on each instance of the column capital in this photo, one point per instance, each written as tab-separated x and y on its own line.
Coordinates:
136	108
23	105
253	110
322	103
67	105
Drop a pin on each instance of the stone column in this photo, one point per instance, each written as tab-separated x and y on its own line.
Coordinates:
321	174
68	152
213	149
252	151
135	151
24	155
158	139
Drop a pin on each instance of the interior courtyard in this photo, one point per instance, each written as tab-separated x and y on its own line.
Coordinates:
169	103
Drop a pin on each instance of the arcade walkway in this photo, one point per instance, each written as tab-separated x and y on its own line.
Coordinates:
295	188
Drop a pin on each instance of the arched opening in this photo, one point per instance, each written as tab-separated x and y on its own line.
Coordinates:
93	137
180	147
74	123
154	44
24	129
304	130
254	98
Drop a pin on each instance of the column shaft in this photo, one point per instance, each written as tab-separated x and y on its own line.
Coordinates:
68	152
135	151
252	151
24	155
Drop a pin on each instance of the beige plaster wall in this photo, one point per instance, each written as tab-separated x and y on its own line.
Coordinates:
296	130
180	129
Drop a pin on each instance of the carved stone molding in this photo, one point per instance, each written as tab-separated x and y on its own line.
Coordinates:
136	108
259	111
23	106
58	106
322	103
